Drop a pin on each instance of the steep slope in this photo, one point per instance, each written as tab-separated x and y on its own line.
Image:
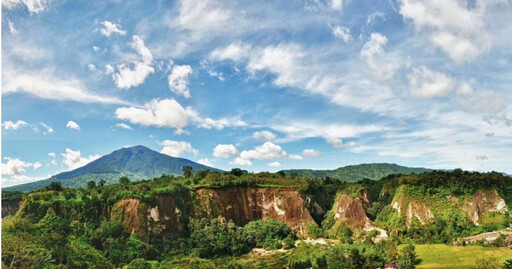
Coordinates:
137	163
353	173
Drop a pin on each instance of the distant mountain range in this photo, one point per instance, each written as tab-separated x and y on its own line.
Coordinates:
352	173
136	163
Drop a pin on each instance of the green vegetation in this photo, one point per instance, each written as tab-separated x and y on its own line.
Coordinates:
452	257
107	226
354	173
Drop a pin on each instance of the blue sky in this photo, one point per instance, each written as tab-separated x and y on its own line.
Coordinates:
259	85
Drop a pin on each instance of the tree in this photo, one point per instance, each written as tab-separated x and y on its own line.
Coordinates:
55	186
187	171
124	181
91	184
507	264
407	256
102	183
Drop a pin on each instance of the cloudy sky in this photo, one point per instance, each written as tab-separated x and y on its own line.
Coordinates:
259	85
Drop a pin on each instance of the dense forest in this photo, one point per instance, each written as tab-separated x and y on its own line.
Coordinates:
93	226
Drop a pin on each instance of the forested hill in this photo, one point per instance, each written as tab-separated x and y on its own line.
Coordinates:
136	162
352	173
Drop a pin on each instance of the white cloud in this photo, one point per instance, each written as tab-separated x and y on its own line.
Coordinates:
178	80
45	85
337	4
241	161
456	27
267	151
73	125
91	67
215	74
296	130
15	166
73	159
341	32
110	28
281	60
295	157
10	125
52	155
160	113
201	17
310	153
12	30
234	52
224	151
337	143
124	126
206	162
374	54
465	89
264	135
49	129
209	123
33	6
425	83
37	165
275	164
176	148
134	74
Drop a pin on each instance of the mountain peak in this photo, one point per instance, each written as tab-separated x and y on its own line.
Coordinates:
137	163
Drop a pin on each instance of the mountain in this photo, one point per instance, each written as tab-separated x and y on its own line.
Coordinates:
352	173
136	163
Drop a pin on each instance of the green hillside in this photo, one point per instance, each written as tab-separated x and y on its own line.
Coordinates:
353	173
136	163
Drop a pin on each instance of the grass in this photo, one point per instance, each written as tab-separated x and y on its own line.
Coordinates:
445	256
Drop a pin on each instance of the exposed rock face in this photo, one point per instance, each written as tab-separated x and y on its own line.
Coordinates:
132	213
10	208
350	212
243	205
414	209
484	201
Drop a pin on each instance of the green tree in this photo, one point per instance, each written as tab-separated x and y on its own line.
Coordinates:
406	256
101	183
55	186
187	171
139	263
507	264
124	181
91	184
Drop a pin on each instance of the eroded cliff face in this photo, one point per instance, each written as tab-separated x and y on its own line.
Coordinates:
243	205
10	208
413	209
482	202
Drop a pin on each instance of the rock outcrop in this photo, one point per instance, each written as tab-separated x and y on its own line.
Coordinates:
482	202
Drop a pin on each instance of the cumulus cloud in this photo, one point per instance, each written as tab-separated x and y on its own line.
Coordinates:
201	17
160	113
491	105
264	135
73	159
12	29
49	130
124	126
337	143
110	28
341	32
15	166
178	80
425	83
241	161
33	6
73	125
134	74
176	148
209	123
275	164
374	54
267	151
234	52
10	125
37	165
310	153
224	151
455	27
206	162
295	157
337	4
